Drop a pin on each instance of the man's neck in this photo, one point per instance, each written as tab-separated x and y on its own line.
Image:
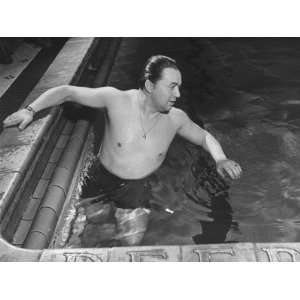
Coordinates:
146	105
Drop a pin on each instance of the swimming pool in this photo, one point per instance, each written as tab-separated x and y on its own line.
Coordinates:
258	126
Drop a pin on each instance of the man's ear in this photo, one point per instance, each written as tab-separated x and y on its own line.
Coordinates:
148	86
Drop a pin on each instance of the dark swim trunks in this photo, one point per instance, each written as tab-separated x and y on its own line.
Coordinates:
124	193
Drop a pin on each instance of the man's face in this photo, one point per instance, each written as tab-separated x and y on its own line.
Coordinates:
166	90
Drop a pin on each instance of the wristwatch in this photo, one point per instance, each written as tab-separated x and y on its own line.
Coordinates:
29	108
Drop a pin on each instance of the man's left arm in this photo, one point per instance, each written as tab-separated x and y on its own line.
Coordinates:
195	134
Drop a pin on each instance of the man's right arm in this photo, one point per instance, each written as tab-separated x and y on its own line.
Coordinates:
92	97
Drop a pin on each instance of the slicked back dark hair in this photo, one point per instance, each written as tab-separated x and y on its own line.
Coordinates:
154	67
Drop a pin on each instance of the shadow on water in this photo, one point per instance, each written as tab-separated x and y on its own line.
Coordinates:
217	189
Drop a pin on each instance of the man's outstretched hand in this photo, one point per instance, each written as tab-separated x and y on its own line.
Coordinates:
227	167
22	118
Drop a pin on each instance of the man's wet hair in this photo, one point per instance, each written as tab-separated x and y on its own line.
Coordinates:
153	68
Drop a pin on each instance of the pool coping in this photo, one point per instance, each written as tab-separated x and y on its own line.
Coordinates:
235	252
18	148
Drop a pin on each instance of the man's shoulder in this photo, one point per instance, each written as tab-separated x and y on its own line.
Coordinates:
178	116
119	100
130	93
109	90
128	96
119	93
114	95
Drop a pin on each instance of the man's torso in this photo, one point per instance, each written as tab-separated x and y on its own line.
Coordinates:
125	151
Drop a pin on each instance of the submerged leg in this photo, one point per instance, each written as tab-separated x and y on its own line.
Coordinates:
131	225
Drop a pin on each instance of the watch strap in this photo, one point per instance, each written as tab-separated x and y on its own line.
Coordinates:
29	108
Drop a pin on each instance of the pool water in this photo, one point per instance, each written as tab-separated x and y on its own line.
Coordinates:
259	128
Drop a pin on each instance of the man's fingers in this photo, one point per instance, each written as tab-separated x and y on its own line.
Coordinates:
23	124
240	169
237	171
21	118
224	172
221	172
229	168
233	173
227	171
10	121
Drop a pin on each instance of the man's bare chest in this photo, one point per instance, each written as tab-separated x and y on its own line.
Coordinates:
127	131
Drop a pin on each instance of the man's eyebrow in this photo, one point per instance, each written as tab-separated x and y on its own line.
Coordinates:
175	83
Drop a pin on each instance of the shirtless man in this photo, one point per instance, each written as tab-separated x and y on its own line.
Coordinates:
140	125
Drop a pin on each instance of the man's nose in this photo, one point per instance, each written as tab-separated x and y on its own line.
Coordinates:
176	92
